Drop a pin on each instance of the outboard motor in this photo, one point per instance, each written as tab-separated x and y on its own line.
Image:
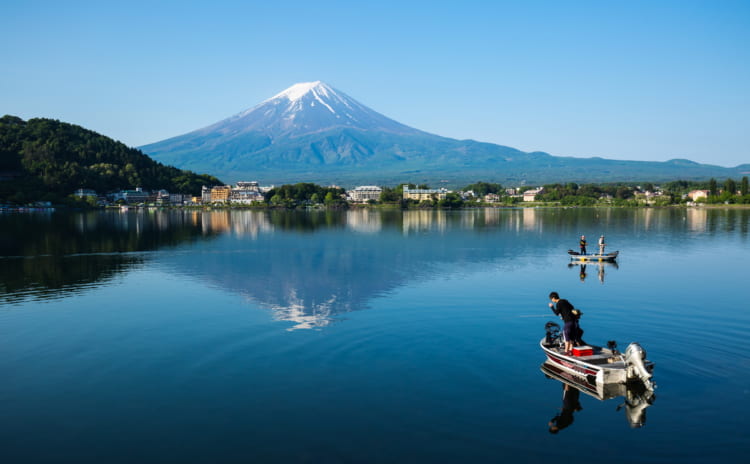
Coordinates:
634	359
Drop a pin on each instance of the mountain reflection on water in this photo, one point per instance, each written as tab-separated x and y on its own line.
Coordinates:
307	267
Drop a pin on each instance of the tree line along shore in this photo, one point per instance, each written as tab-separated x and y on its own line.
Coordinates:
479	194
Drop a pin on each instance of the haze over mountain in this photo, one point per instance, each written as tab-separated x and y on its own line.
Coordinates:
315	133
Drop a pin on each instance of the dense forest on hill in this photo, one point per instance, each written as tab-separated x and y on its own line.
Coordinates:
45	159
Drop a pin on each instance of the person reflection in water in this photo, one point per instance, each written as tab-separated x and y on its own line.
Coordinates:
582	274
601	273
570	405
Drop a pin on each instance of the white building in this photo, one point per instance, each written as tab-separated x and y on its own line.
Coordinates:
530	195
131	196
205	195
246	193
245	196
424	194
695	195
364	193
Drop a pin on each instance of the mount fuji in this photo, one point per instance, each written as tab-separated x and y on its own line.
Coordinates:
312	132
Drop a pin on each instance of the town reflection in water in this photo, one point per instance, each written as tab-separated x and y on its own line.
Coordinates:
307	267
636	398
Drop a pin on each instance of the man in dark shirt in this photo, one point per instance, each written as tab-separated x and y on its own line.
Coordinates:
564	309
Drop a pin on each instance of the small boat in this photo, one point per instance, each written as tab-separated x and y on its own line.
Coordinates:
637	397
576	256
598	365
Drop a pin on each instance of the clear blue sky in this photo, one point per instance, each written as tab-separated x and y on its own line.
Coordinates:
650	80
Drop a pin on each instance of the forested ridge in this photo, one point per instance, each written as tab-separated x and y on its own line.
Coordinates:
45	159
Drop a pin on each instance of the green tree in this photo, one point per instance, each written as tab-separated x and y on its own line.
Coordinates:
391	195
712	187
62	157
451	200
744	186
481	189
730	186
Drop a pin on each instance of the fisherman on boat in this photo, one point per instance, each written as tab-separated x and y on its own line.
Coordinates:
582	244
571	330
601	245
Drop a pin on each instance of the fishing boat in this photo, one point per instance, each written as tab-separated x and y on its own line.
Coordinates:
599	365
593	257
635	394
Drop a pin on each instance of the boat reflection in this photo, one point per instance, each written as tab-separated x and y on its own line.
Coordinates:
637	398
583	270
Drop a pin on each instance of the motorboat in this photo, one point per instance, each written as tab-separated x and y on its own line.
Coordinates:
593	257
635	394
599	365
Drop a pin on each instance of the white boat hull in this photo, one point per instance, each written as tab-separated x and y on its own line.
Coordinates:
603	367
593	257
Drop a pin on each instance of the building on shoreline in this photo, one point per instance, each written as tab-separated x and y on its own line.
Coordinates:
242	192
364	193
424	194
246	193
131	196
696	195
530	195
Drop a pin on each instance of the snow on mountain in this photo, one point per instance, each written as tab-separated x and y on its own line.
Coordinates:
305	108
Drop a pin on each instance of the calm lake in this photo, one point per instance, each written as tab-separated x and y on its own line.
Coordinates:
364	336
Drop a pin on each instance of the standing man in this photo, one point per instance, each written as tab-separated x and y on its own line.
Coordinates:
564	309
582	244
601	245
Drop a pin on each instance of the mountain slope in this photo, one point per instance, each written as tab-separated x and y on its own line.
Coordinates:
312	132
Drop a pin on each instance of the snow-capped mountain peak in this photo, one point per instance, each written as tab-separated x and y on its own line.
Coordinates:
298	90
304	108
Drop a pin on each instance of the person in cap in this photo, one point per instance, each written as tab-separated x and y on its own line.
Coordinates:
571	331
601	245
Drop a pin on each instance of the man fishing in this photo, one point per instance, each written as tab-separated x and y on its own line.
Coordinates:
582	244
571	330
